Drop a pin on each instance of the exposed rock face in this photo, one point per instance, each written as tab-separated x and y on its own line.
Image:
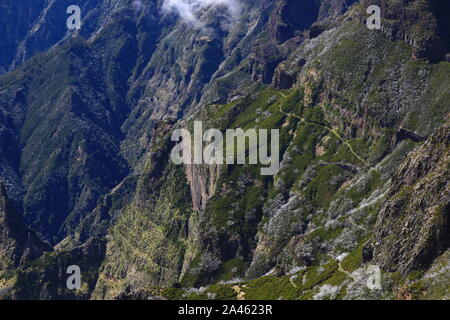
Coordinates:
413	226
290	16
203	183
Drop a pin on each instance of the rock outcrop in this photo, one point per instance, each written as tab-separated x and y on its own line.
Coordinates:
413	226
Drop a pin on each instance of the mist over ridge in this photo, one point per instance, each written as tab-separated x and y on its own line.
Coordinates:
188	9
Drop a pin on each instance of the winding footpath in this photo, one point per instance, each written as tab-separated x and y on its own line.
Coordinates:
325	127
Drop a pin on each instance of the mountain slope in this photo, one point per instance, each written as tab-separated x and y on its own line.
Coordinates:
328	194
85	143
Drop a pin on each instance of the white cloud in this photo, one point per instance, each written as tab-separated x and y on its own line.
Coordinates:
188	9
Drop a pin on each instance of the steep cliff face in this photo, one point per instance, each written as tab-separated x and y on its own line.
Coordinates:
363	117
413	225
